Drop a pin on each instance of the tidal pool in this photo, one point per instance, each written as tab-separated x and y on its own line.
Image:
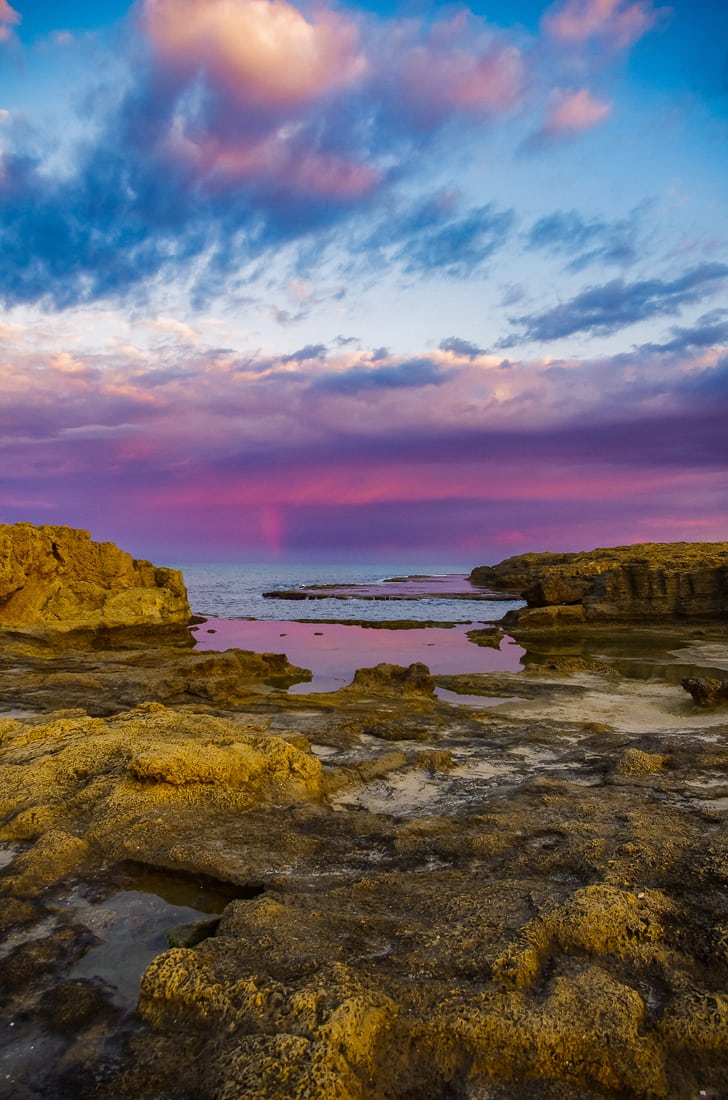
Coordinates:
334	651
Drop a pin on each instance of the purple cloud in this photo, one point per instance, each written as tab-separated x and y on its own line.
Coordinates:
616	305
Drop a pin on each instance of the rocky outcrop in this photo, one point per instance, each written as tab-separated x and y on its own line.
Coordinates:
386	679
644	582
147	783
707	691
118	679
56	581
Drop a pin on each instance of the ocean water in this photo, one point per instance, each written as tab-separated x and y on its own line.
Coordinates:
238	616
227	591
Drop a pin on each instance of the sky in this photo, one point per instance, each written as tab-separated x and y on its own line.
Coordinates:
407	281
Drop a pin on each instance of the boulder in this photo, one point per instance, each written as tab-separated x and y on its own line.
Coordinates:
386	679
56	581
641	583
707	691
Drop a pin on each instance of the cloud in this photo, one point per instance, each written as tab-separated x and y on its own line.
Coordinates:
409	374
613	23
571	113
256	52
310	351
240	128
362	455
244	127
459	66
461	347
9	18
616	305
436	234
586	241
710	330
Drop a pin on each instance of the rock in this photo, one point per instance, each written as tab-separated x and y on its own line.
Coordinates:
545	618
55	580
132	786
518	573
386	679
707	691
489	637
640	583
128	677
190	935
75	1004
636	763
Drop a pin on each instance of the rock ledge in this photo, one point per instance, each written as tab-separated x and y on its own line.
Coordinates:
644	582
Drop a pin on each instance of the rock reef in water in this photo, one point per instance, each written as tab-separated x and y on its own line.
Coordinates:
640	583
55	581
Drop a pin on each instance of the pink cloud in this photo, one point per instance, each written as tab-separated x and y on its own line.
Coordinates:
575	112
443	76
618	23
260	51
9	18
279	163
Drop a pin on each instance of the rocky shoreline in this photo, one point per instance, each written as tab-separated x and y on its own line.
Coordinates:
644	583
411	900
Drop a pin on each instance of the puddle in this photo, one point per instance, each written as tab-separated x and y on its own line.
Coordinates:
403	793
334	651
323	751
132	928
456	698
8	852
482	769
178	888
132	924
418	790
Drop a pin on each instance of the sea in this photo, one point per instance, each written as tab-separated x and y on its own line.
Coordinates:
236	592
333	637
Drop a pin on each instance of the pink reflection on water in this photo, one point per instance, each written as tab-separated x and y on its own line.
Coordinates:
334	651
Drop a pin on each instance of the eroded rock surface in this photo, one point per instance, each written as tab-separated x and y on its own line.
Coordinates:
644	582
494	906
56	580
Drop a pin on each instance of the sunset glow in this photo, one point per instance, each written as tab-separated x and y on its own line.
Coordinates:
309	281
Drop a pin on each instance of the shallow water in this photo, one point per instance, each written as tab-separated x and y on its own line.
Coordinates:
132	929
132	923
334	651
474	700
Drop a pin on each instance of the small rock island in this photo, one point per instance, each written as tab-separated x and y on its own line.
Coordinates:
378	895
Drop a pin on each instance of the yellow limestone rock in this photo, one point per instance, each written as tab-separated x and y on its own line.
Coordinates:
57	579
